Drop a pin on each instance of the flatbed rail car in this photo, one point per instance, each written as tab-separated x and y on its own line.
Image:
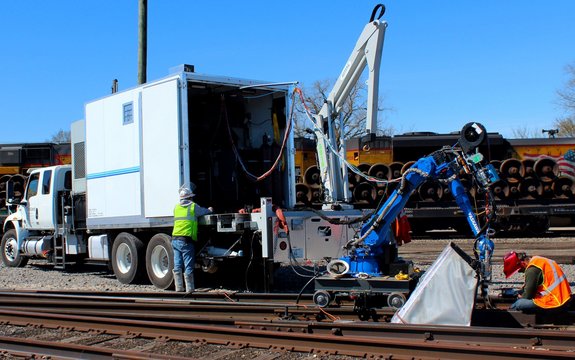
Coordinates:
536	190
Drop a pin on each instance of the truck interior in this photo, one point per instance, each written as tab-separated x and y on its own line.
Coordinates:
235	135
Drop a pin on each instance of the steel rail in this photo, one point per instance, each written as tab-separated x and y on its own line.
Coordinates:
186	310
207	298
219	313
230	296
32	348
557	339
373	340
173	309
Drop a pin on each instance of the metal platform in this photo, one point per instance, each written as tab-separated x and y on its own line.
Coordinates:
373	285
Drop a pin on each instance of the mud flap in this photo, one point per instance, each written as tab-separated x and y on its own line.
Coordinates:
445	294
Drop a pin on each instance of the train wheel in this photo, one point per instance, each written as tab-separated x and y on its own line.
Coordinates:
11	257
160	261
128	258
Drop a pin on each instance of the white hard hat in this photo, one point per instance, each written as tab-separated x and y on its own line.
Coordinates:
186	193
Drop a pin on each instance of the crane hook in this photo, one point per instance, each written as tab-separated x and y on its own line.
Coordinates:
380	7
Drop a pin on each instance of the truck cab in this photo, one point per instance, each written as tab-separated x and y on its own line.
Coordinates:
40	223
39	206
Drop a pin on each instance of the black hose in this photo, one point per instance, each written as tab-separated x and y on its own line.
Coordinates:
303	288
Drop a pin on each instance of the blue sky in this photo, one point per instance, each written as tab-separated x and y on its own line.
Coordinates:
445	63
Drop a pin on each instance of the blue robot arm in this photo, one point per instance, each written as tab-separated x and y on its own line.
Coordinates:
483	246
367	252
375	232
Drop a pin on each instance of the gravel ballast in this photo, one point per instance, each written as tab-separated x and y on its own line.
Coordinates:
39	276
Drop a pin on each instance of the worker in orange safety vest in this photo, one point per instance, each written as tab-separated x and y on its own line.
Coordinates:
546	286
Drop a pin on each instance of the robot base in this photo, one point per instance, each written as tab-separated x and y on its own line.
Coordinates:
368	293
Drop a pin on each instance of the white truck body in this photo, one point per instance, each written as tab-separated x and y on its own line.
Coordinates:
137	165
130	156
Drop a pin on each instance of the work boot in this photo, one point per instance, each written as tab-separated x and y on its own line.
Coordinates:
189	282
178	280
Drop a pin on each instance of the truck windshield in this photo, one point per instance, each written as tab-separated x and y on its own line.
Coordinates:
32	186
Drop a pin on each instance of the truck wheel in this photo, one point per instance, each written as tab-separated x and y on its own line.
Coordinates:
11	257
160	261
128	258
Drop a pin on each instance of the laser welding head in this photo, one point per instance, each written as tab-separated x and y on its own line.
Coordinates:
471	136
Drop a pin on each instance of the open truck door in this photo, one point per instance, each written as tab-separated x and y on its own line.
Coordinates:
161	125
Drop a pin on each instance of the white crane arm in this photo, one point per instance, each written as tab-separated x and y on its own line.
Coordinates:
367	52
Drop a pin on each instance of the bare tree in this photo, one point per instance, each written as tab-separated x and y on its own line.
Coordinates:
566	127
566	124
354	111
61	136
525	133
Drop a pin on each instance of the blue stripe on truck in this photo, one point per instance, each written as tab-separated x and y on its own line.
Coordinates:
109	173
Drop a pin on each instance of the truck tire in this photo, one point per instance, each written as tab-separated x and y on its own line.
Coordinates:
160	261
11	257
128	258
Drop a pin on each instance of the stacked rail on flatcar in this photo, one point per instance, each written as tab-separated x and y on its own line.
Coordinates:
536	190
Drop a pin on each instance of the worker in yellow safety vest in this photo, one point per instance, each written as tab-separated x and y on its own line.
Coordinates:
185	233
545	286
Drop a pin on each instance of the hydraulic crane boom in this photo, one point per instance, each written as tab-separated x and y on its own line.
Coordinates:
367	52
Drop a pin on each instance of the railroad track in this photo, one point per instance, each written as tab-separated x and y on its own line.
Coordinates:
147	324
138	305
231	305
222	307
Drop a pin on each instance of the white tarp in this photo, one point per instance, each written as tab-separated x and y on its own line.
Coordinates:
445	294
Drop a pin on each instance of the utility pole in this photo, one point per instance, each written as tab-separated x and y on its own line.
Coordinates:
142	41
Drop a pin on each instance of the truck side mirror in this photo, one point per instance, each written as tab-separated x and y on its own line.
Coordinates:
9	192
10	199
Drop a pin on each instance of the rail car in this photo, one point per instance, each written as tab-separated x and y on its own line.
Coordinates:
536	190
16	159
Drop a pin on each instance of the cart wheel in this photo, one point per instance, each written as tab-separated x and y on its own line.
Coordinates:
396	300
322	298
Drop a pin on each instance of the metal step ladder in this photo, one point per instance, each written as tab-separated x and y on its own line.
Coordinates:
59	245
59	258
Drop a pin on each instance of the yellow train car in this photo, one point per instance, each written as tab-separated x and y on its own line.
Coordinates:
536	189
529	148
378	151
16	159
